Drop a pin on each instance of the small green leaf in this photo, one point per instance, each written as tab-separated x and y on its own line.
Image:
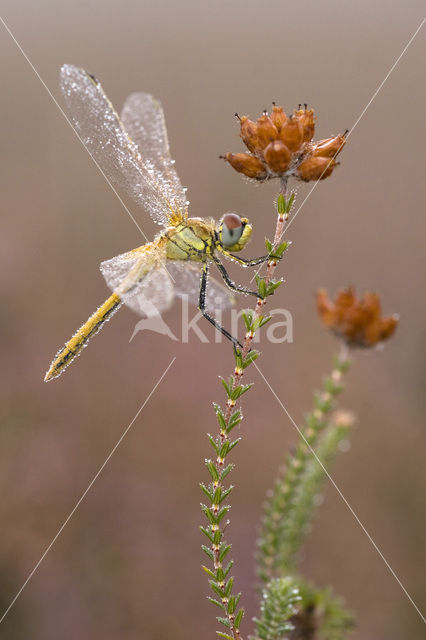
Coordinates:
217	497
237	355
208	551
233	444
217	537
261	286
213	443
235	419
228	568
264	320
224	551
248	318
228	386
228	586
281	204
226	493
221	419
224	635
225	471
251	357
238	618
216	602
206	491
240	390
231	605
281	248
218	591
224	621
289	202
207	533
210	573
212	470
210	515
222	512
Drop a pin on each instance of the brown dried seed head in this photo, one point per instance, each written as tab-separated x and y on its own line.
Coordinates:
278	117
247	164
249	134
307	122
388	326
291	133
315	168
329	148
358	321
266	131
325	308
277	156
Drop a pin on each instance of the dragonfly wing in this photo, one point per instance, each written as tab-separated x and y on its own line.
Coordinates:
141	280
108	142
187	281
143	118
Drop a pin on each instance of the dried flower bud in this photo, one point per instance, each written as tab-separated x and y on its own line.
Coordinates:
307	123
291	133
266	131
278	117
249	135
247	164
358	321
280	147
277	156
329	148
315	168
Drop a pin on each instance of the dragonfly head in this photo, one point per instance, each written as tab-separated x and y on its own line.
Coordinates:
234	232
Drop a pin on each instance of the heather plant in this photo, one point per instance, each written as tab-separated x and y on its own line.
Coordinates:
281	147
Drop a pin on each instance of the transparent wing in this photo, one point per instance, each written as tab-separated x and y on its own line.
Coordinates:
143	118
187	280
141	280
106	139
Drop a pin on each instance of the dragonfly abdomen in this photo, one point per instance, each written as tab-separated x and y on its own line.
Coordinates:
79	340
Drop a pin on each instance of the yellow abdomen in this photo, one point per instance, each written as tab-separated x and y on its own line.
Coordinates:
79	340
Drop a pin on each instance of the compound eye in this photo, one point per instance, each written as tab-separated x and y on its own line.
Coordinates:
232	228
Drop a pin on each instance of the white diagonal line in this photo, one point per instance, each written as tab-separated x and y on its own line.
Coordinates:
362	114
341	495
76	133
70	123
352	129
80	500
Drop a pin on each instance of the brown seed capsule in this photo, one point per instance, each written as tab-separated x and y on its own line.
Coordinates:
328	148
277	156
247	164
315	168
266	131
307	123
278	117
249	134
291	133
358	321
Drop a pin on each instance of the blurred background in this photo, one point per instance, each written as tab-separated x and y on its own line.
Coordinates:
133	544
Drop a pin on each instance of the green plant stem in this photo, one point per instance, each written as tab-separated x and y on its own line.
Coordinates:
284	523
222	444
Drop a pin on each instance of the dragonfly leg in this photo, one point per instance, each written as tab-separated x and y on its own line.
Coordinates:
250	263
229	282
246	263
202	307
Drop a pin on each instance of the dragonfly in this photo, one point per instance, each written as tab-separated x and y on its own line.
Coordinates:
133	153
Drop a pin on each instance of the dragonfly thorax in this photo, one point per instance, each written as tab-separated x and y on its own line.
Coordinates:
193	239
